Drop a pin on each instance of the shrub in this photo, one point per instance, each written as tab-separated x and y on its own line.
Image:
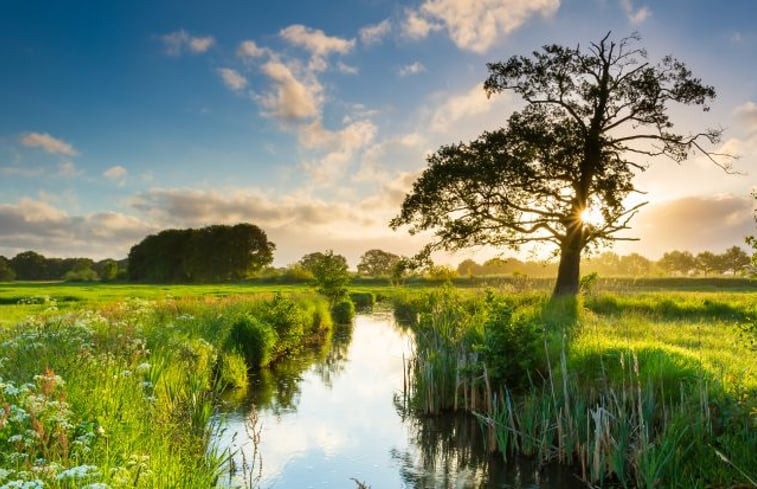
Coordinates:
288	319
363	300
343	311
321	316
81	275
254	339
512	347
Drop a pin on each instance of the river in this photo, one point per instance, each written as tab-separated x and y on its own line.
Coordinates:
336	415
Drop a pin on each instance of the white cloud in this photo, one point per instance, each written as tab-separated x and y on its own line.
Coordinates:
341	147
316	41
416	26
48	143
291	98
373	34
411	69
176	43
464	105
248	49
347	69
474	25
232	79
115	172
635	16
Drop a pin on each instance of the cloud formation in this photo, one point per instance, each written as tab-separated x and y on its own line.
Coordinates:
232	79
697	223
115	172
248	49
411	69
635	16
374	34
48	143
37	225
294	95
178	42
474	25
341	146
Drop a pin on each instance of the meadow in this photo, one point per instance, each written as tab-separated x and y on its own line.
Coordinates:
633	385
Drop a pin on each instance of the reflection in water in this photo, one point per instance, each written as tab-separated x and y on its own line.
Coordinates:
335	413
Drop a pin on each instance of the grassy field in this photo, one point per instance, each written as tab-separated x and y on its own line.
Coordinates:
113	385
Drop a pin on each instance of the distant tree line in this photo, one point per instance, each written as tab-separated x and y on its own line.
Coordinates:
734	261
211	254
30	265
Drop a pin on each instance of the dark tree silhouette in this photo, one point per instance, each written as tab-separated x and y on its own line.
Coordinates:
589	114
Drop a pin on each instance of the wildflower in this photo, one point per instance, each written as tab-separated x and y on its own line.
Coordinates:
78	472
143	367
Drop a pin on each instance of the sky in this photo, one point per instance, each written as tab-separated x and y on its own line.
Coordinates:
311	119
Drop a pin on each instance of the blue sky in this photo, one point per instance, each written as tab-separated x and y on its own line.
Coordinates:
311	119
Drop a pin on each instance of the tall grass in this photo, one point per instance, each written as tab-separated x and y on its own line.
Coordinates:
123	396
649	391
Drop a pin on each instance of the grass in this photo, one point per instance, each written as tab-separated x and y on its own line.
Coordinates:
632	387
646	389
120	393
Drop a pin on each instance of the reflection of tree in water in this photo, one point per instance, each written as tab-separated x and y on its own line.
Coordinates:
449	451
335	359
277	388
444	452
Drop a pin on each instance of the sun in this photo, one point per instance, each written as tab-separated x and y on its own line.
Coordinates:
591	216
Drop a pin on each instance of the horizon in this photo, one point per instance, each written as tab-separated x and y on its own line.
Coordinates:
313	123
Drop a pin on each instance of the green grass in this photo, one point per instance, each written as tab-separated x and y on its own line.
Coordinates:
651	388
641	389
121	391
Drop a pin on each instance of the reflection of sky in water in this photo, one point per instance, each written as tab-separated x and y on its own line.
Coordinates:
349	427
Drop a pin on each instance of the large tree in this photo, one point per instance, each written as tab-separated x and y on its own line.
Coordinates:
377	263
590	115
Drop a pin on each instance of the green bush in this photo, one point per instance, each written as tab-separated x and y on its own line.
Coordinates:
254	339
512	347
343	311
288	319
363	300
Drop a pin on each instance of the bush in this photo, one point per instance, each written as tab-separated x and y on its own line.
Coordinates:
254	339
321	317
343	311
81	275
288	319
363	300
512	347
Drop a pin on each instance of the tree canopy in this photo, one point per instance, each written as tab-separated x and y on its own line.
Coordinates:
211	254
330	273
377	263
590	115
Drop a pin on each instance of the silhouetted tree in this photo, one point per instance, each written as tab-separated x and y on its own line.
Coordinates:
377	263
209	254
7	274
588	113
29	265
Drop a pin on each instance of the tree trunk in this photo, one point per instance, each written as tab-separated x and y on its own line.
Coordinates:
569	268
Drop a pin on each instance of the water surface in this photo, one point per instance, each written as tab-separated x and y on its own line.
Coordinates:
337	413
